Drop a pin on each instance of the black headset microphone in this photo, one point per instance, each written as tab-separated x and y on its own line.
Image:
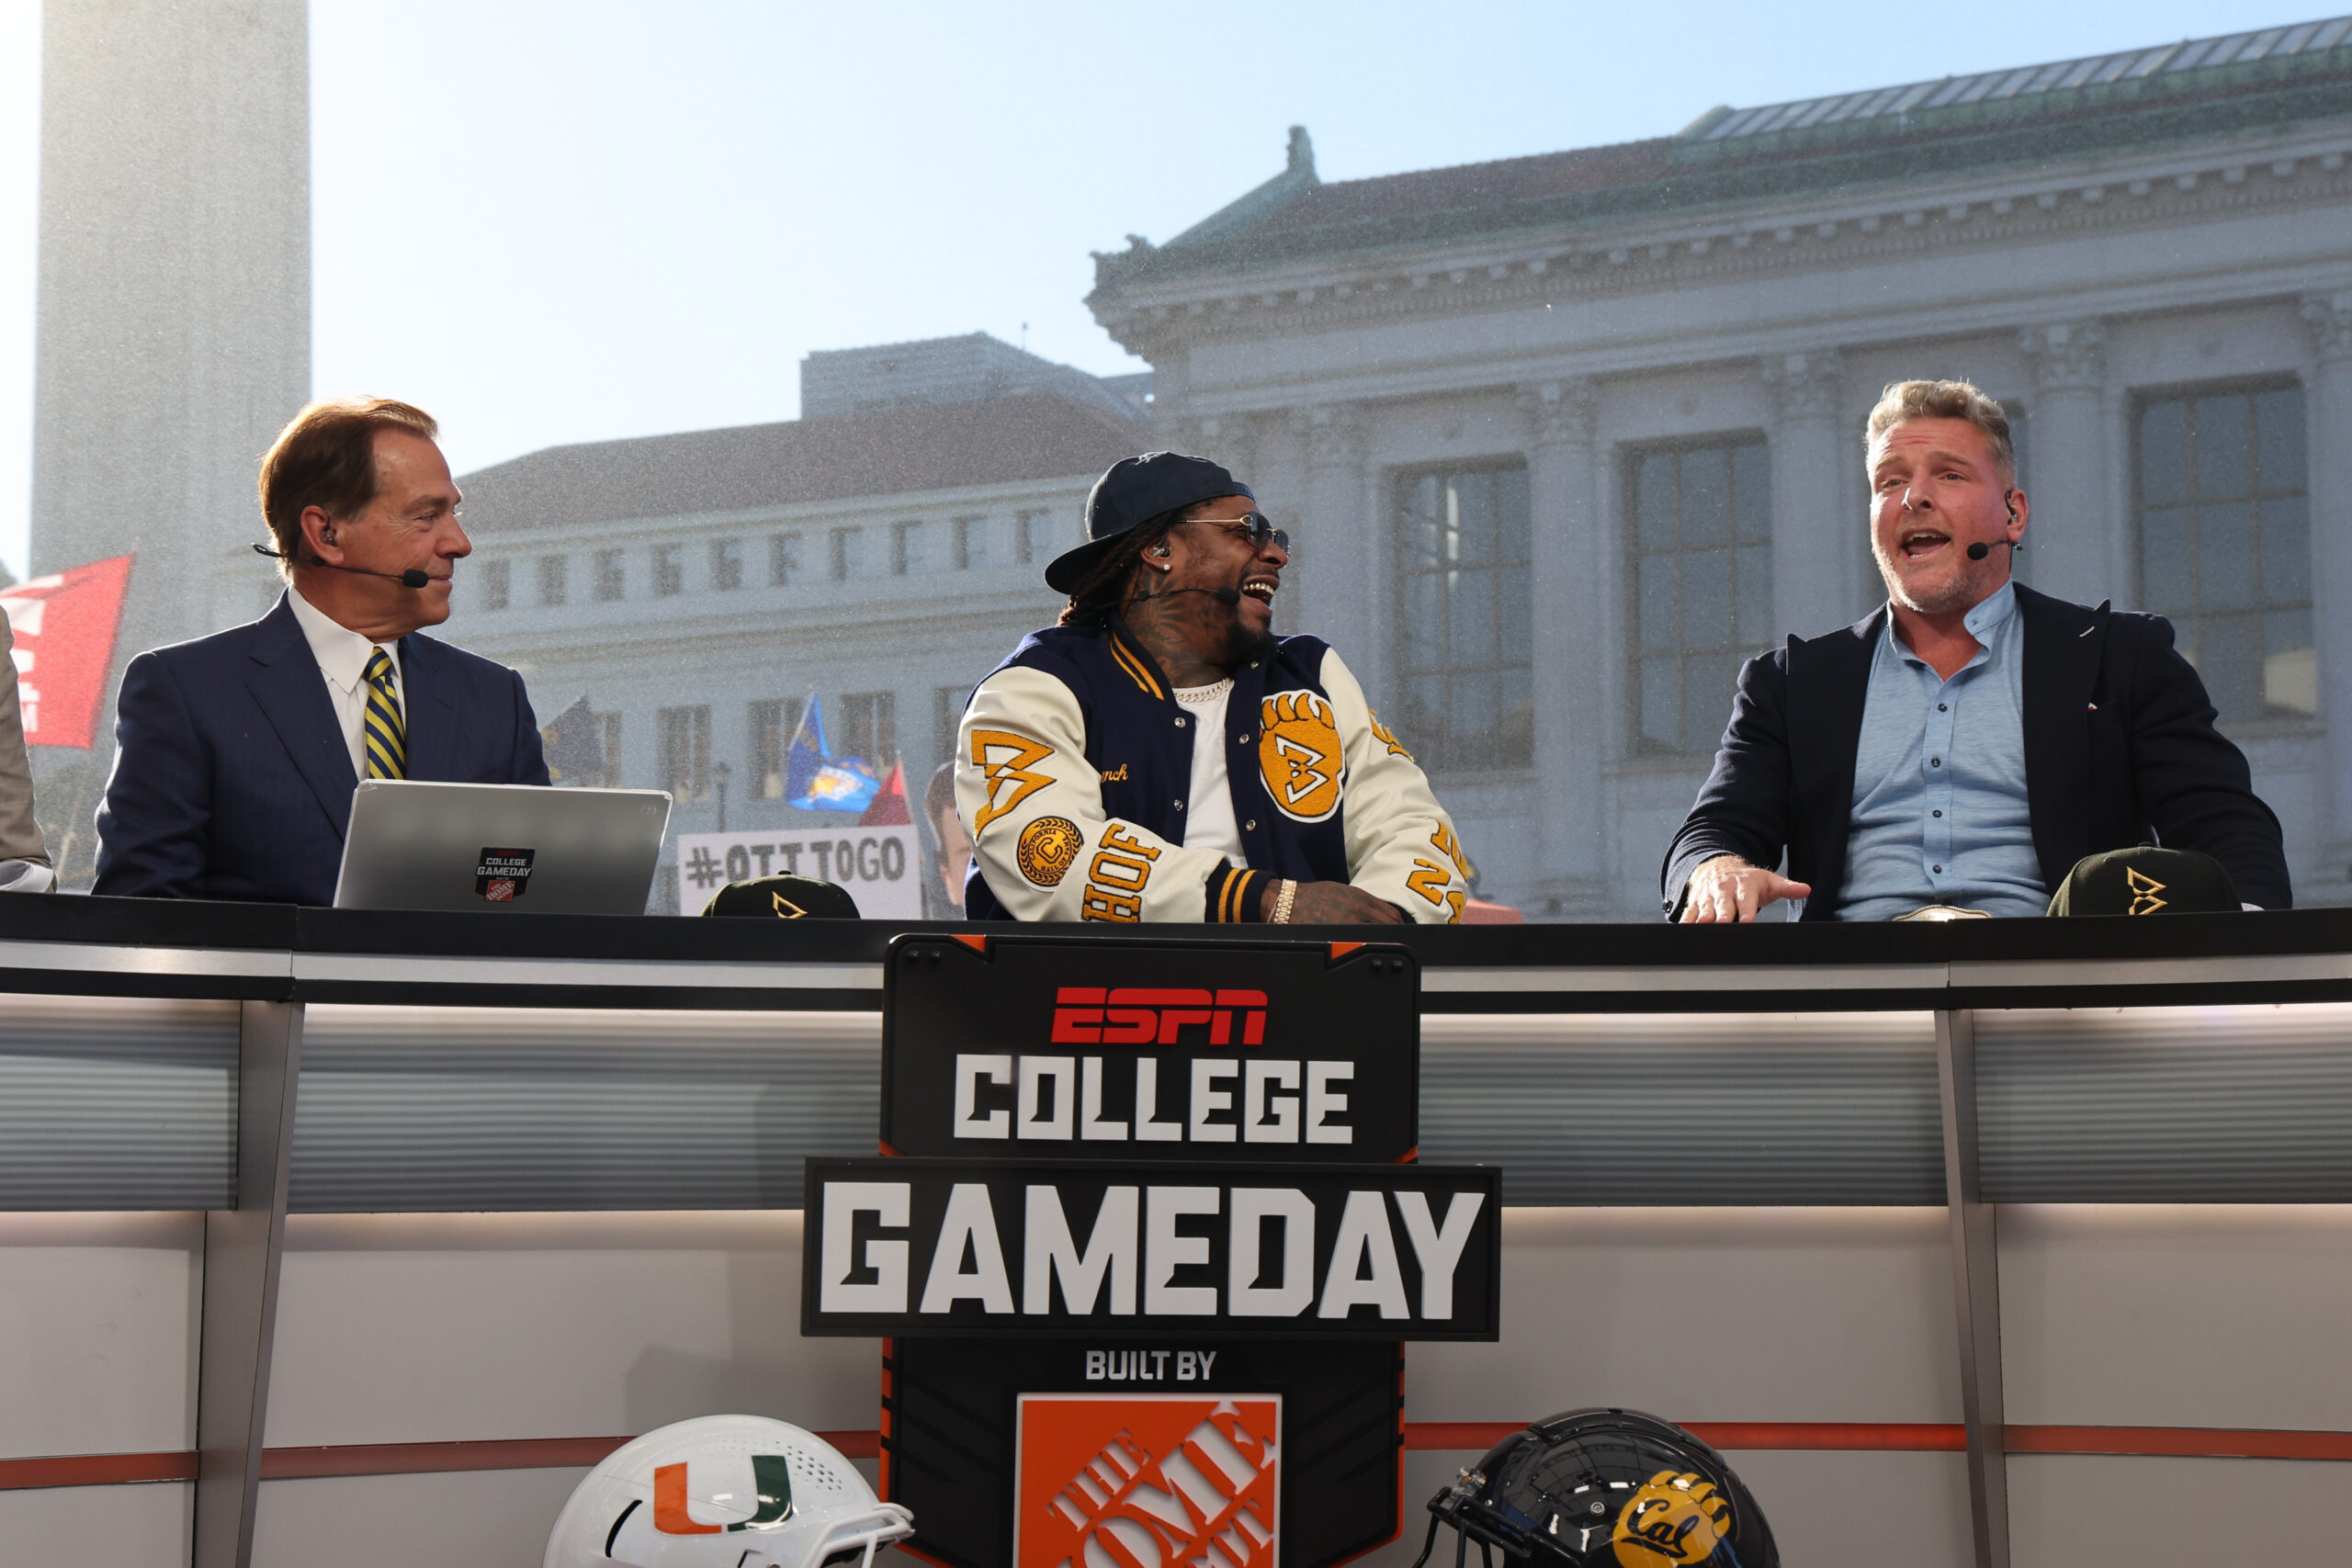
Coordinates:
1979	549
415	577
1222	595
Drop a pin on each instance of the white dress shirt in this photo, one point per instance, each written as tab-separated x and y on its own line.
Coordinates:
342	657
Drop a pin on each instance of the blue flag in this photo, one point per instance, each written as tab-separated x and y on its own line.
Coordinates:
814	780
573	743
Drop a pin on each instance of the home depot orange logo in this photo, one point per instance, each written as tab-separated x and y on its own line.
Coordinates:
1144	1015
1147	1480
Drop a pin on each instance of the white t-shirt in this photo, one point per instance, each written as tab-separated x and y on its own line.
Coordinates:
1208	814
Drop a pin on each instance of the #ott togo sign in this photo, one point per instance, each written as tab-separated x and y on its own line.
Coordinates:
879	867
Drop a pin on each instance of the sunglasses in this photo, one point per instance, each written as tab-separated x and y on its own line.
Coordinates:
1258	530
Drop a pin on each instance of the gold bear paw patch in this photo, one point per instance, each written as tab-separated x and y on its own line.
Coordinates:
1298	753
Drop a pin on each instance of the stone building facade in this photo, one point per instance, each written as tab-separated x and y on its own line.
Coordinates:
696	589
1565	437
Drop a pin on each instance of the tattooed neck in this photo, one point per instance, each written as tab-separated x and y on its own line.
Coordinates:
1174	643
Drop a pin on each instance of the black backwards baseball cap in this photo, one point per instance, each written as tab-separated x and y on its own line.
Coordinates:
1133	491
2147	881
783	899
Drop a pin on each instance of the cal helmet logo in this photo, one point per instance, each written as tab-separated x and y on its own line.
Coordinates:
1143	1015
1143	1481
1299	756
1674	1518
501	875
771	1490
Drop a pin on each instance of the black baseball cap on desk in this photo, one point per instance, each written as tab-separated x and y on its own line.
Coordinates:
783	899
2147	881
1131	492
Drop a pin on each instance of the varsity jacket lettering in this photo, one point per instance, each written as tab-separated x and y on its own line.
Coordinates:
1073	761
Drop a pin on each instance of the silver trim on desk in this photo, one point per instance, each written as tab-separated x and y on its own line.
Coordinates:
1659	978
687	974
110	958
2268	968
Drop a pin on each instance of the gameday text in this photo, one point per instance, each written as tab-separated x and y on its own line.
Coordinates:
943	1246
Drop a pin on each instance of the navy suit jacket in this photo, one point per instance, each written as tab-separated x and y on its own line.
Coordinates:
2120	749
231	777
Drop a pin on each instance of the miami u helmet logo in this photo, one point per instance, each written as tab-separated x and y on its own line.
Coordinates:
771	1484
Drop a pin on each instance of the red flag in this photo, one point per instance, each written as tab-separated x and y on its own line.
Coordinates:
890	807
64	624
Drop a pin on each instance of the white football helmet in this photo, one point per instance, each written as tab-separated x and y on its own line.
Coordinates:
725	1491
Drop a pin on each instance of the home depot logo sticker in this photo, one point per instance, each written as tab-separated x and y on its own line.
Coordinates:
502	875
1147	1481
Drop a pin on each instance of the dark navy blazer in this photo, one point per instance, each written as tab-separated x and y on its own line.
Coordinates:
232	780
2120	748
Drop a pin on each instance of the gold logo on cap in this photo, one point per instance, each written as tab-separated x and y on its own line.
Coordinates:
2144	893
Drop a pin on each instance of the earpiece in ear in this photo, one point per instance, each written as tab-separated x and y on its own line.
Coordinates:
1159	550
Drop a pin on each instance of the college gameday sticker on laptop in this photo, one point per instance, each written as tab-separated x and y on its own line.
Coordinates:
501	875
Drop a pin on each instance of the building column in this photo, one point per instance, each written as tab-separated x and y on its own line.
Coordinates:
2073	524
1819	554
1344	551
1572	572
174	321
2328	415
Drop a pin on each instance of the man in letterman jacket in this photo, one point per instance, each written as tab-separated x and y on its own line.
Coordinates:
1160	755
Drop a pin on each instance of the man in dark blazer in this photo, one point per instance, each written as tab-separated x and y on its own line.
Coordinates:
237	754
1977	748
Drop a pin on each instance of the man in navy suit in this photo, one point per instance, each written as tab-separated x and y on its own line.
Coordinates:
237	754
1970	742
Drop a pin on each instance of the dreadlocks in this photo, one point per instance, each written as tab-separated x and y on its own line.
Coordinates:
1101	593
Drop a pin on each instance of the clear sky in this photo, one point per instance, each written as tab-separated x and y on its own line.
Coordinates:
553	223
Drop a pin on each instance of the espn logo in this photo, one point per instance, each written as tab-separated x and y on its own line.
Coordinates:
1150	1016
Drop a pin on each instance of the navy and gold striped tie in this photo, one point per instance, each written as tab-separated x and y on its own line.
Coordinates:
387	737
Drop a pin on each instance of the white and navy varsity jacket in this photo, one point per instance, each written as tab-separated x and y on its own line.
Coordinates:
1074	757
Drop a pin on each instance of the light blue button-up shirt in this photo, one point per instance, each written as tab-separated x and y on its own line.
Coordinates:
1941	813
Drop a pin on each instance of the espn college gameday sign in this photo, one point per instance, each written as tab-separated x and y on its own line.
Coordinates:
1143	1244
1172	1051
943	1246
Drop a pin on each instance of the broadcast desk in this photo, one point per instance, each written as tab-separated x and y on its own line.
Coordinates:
1642	1088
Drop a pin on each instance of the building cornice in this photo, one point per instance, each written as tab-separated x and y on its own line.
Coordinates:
585	633
845	511
1583	263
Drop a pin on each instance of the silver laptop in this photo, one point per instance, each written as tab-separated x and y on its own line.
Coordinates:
523	847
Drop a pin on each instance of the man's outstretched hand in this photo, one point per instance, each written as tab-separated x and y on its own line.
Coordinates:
1728	889
1330	904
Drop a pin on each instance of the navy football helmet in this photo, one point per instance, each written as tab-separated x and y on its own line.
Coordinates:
1604	1489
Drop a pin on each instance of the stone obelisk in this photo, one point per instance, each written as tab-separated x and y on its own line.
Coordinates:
174	326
